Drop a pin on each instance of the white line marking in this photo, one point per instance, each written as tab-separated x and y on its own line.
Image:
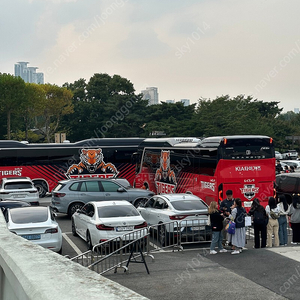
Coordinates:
156	247
76	249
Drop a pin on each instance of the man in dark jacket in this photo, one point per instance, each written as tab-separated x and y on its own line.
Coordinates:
225	208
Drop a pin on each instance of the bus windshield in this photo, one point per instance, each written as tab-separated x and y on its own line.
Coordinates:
246	148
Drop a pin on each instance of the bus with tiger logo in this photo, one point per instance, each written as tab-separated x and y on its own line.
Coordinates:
46	164
244	164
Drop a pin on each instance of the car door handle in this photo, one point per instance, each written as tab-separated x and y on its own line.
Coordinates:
107	194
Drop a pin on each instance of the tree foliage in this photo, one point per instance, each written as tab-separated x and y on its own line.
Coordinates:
107	106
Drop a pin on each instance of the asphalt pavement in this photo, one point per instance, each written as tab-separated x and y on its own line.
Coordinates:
272	273
269	273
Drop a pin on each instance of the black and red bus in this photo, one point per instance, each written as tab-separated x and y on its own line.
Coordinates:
46	164
244	164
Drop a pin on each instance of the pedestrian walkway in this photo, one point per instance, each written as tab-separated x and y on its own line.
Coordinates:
272	273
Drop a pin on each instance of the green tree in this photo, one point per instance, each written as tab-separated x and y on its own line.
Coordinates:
56	103
12	94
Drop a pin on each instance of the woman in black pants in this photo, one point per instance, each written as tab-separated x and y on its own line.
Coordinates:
260	221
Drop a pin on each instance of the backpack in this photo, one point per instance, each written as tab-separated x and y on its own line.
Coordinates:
259	218
274	215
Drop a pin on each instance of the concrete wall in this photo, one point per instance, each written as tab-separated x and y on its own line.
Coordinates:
30	272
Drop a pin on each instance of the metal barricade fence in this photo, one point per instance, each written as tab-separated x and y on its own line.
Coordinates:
164	235
194	231
120	251
116	253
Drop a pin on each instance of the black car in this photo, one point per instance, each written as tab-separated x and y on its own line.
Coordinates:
288	184
7	204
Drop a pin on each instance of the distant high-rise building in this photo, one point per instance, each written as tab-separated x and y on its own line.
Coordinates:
186	102
28	74
150	94
296	110
170	101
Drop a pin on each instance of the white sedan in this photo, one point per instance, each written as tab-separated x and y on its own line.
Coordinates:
36	224
183	214
100	221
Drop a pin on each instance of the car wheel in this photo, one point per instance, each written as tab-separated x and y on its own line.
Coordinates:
162	235
41	187
89	241
60	251
74	229
73	207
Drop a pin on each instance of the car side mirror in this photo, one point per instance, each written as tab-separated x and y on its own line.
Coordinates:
121	190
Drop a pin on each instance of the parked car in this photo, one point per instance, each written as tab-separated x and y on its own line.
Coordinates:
97	222
36	224
19	188
294	163
184	208
288	184
290	154
6	204
278	155
70	195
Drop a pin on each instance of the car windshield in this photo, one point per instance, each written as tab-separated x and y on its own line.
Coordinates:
29	215
123	182
188	205
18	185
117	211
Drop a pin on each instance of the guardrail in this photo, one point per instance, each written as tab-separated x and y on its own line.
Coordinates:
121	251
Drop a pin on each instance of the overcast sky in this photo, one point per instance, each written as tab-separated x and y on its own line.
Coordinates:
187	49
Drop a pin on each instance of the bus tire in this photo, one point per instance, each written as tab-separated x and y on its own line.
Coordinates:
73	207
41	187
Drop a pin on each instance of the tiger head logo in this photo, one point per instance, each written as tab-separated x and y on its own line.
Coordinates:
165	160
91	159
165	173
91	162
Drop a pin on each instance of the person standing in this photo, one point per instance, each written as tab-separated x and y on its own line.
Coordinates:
294	213
282	221
238	214
279	168
272	228
260	220
216	222
225	208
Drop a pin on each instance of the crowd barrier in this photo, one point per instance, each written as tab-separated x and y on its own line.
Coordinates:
133	247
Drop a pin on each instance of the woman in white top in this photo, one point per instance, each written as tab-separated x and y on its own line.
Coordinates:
282	221
272	228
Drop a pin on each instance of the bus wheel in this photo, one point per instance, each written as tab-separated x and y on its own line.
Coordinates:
73	207
41	187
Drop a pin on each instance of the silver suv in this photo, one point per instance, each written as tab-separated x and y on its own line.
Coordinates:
70	195
290	154
19	188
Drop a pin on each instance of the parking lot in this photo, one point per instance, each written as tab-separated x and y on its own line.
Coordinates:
194	274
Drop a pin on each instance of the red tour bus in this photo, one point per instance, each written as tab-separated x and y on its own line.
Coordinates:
46	164
244	164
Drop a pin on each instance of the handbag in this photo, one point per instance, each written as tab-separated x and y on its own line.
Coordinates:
230	227
248	221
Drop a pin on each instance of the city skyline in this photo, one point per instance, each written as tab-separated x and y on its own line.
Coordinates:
28	74
189	50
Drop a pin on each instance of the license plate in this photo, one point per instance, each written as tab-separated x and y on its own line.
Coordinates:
19	196
124	228
198	228
247	203
32	237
